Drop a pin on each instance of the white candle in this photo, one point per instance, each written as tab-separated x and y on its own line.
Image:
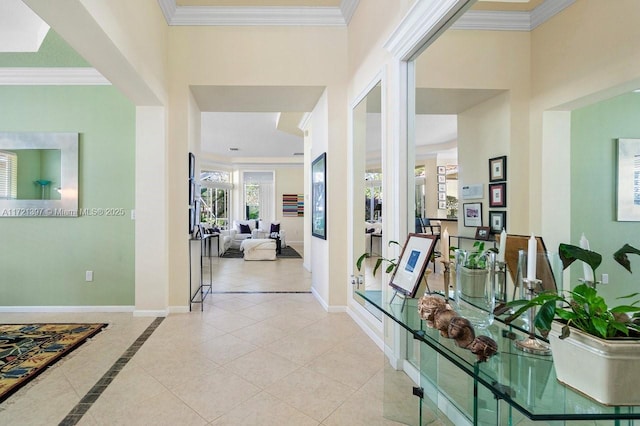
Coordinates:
503	245
588	272
532	252
444	245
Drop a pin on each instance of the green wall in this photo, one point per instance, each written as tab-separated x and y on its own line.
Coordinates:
43	260
594	131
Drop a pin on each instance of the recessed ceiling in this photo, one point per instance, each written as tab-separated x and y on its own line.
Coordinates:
21	30
257	98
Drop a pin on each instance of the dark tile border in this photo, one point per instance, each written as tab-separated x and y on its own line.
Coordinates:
94	393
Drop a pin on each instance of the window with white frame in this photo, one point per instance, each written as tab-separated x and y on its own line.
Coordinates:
215	198
8	175
259	197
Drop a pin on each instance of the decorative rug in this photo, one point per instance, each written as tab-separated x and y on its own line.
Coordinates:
287	252
26	350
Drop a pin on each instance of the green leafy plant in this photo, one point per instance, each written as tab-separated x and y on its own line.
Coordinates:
582	307
476	258
391	262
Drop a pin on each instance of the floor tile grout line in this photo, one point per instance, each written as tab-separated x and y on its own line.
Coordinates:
94	393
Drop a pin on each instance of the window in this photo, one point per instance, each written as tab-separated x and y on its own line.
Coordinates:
215	198
8	175
259	198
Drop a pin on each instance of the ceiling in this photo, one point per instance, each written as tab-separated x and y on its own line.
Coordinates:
261	121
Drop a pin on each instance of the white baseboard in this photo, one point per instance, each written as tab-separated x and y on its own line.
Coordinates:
63	309
366	327
325	306
150	313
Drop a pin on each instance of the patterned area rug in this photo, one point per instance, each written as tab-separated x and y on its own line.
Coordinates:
287	252
26	350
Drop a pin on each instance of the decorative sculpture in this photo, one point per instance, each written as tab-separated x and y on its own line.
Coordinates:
427	306
483	347
461	330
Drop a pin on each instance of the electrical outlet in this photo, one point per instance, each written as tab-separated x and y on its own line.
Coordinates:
88	275
605	279
133	214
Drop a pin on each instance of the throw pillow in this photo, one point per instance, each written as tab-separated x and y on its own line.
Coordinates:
275	227
245	229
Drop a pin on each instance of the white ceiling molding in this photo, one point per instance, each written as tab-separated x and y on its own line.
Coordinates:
547	10
21	30
52	77
510	21
424	21
348	8
258	16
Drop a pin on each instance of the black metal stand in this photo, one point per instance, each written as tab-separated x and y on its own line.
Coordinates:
203	290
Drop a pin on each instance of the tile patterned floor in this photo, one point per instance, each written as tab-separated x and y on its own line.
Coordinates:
247	359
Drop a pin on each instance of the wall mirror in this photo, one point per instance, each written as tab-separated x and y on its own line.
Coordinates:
38	174
367	216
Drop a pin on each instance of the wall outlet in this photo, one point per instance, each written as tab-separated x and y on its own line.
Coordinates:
605	279
133	214
88	275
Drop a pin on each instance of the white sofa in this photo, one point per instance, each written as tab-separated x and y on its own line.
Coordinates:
264	231
238	237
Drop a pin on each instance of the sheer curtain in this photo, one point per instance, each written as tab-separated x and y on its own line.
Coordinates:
267	202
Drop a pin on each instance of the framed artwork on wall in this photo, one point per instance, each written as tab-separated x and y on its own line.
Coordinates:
497	221
442	179
412	263
441	170
442	205
483	233
318	197
498	195
498	169
192	166
628	190
472	214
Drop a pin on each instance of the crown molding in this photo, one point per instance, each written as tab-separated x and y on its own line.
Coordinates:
493	20
348	9
511	21
52	77
258	16
424	21
547	10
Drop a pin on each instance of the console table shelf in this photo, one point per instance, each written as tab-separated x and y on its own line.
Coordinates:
511	388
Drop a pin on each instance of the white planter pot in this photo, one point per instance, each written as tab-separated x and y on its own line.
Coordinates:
473	282
605	370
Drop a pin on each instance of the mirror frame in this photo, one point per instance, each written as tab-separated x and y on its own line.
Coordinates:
67	143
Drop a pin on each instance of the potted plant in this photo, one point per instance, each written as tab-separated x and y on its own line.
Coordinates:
582	327
473	271
391	262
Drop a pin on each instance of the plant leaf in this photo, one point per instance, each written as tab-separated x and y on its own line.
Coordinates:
566	330
600	325
570	253
625	309
545	316
360	260
621	256
622	328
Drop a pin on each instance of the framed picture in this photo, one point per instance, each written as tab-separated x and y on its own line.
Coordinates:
442	179
442	187
192	192
483	233
192	166
318	197
442	205
472	214
497	221
628	190
442	196
497	195
412	263
441	170
498	169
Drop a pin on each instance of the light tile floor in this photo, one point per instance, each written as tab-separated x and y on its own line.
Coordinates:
247	359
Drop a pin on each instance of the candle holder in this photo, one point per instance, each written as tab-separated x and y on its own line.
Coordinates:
446	273
501	280
531	344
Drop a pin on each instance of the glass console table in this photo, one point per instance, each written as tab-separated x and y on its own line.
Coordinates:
511	388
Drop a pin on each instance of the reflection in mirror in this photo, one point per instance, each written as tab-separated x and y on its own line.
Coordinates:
38	174
367	142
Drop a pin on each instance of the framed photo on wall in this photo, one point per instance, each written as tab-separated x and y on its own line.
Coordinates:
472	214
441	170
442	205
498	169
628	190
483	233
412	263
497	195
319	197
192	166
497	221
